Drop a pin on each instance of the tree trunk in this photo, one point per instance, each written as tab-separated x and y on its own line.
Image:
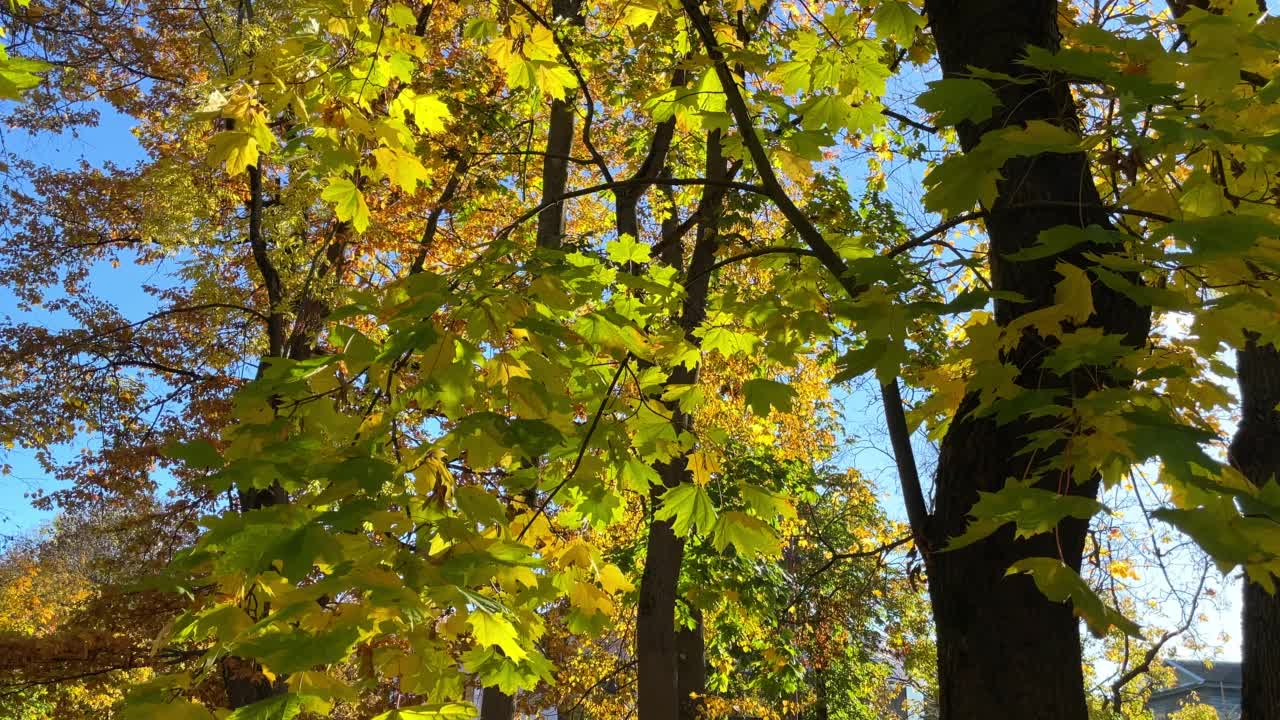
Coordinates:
1255	451
1004	650
496	705
821	709
691	667
555	163
660	691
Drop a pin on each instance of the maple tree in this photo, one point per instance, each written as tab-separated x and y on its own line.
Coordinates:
509	338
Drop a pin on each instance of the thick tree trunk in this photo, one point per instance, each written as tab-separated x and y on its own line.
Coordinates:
1255	451
691	670
661	692
496	705
658	691
555	163
1004	650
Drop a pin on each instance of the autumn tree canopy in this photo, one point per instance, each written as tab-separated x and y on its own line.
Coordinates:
510	356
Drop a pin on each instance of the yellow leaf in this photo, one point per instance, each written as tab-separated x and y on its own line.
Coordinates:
613	581
641	13
401	168
578	554
590	599
1074	293
236	148
429	112
701	465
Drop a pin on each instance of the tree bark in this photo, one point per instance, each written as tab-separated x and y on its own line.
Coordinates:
661	693
658	694
1255	452
496	705
691	667
555	163
242	678
1004	650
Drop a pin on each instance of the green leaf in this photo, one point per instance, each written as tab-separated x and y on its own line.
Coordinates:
18	75
625	249
762	394
959	182
477	504
304	548
1032	510
751	537
491	629
321	685
765	504
1057	240
896	20
599	329
1086	346
956	100
281	707
726	341
689	507
638	476
286	652
1060	583
688	397
653	432
200	454
348	202
445	711
875	354
401	16
480	28
1231	539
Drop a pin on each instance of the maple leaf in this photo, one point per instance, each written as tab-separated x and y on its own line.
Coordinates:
689	507
404	170
348	202
491	629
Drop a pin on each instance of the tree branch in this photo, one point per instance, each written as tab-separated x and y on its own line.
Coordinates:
894	418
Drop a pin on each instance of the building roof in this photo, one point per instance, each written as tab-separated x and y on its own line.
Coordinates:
1208	672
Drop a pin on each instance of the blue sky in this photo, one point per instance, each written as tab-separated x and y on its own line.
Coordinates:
110	141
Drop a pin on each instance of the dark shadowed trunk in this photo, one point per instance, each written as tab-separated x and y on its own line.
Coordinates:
691	670
660	689
1004	650
658	694
1255	451
496	705
555	164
